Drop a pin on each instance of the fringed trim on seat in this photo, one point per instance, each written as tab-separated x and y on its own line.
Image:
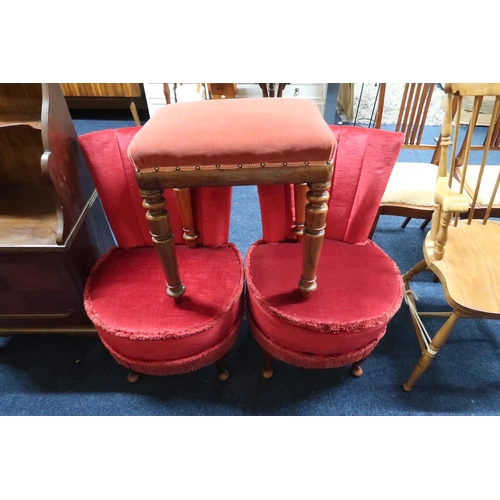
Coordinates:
183	365
307	360
148	335
318	326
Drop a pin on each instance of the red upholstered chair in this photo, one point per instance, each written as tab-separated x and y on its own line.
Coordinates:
359	286
125	297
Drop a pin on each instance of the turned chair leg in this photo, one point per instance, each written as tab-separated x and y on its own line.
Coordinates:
132	377
429	354
222	373
267	371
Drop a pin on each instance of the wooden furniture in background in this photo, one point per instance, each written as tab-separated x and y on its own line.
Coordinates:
105	94
52	227
155	94
463	253
268	89
410	191
222	90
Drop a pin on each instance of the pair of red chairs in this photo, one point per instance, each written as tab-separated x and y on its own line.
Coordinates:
195	321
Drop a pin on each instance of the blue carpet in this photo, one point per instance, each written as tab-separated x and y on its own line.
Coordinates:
65	375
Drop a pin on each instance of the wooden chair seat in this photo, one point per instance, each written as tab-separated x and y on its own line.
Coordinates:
470	268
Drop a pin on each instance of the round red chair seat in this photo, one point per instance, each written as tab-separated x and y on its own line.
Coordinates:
125	298
341	322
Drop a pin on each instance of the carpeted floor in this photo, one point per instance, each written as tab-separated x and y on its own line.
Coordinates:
64	375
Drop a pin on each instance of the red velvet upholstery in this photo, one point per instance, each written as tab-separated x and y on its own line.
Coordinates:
359	286
273	131
114	177
145	330
125	295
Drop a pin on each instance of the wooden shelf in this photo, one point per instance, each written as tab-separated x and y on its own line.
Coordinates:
27	217
15	119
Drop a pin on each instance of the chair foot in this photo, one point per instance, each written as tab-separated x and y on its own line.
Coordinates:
407	387
132	377
356	370
222	373
267	371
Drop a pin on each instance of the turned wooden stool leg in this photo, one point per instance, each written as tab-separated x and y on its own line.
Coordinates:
222	373
132	377
429	354
314	232
267	371
183	199
163	239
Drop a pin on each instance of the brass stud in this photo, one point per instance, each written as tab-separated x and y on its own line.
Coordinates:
217	166
240	165
177	168
285	163
328	162
306	162
157	169
138	171
262	164
197	167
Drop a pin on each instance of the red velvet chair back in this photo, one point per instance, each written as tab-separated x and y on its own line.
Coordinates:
114	177
362	166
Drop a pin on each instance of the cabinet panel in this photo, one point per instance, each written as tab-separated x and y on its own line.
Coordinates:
52	226
101	89
315	91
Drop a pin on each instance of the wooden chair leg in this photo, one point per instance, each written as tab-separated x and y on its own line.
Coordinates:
375	222
430	353
267	371
135	114
424	224
356	369
222	373
405	223
132	377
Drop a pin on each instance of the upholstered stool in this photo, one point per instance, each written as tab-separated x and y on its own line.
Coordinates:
235	142
197	149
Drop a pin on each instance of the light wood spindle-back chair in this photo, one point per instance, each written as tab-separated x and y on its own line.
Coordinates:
463	253
410	191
